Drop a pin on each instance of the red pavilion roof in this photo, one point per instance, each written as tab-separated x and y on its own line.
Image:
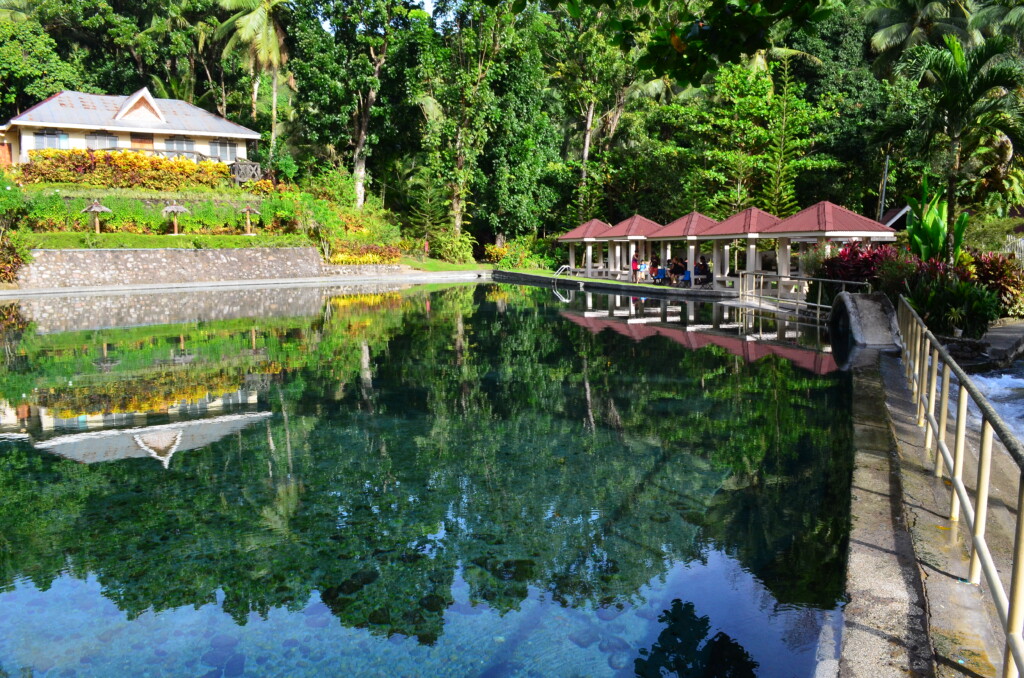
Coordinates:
825	218
635	226
693	224
749	221
590	229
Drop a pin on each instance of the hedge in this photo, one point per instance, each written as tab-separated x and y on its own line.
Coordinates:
120	169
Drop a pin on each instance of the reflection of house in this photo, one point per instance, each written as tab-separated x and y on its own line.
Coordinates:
138	122
50	421
159	442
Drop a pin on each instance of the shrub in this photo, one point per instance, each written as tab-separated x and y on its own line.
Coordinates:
1003	276
121	169
945	303
13	255
452	247
521	252
356	254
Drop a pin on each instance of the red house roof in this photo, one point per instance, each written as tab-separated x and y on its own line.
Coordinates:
590	229
826	218
750	220
635	226
693	224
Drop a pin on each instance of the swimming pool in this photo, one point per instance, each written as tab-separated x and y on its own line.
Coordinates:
466	480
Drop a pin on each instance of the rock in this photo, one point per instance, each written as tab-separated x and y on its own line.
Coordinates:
235	666
584	637
216	657
609	613
222	641
614	644
619	660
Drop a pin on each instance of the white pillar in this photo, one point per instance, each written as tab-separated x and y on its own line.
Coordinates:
785	255
572	255
664	252
725	259
600	254
632	251
590	301
716	266
618	256
590	259
691	256
751	255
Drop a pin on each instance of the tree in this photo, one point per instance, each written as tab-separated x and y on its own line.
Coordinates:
30	68
258	24
458	70
902	24
976	98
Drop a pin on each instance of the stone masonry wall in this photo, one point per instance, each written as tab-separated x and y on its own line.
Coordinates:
90	268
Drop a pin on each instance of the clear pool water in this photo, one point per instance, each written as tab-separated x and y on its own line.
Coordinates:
465	481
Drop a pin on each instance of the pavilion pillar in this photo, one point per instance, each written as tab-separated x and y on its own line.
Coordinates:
785	257
691	256
691	311
590	259
751	255
590	301
725	258
716	262
572	255
616	255
600	253
664	252
632	251
668	251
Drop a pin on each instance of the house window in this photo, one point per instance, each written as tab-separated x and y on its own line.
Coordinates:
51	138
224	149
182	145
100	141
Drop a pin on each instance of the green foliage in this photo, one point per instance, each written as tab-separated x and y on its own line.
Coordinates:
991	234
31	68
86	240
927	226
1003	276
354	254
521	252
946	303
453	247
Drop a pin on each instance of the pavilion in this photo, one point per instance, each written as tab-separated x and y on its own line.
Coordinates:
823	223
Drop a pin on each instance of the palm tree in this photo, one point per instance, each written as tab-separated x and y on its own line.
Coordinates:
902	24
978	99
258	24
1004	17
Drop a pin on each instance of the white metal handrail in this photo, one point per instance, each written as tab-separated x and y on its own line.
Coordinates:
755	287
922	354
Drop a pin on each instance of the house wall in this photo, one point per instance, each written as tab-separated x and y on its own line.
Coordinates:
24	141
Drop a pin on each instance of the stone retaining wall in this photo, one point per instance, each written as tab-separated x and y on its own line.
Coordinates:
91	268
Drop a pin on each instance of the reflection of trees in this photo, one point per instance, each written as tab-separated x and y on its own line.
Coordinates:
684	649
508	444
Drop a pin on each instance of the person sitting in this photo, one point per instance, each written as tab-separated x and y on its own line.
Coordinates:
701	272
677	270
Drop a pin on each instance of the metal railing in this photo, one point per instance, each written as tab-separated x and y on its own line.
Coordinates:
791	291
922	355
1015	244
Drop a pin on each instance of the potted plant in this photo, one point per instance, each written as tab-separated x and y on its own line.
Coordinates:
955	317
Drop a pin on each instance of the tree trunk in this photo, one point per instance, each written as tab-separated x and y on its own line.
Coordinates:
586	138
255	88
456	211
273	111
359	154
954	172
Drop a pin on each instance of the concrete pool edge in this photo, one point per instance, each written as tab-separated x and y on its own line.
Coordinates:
885	621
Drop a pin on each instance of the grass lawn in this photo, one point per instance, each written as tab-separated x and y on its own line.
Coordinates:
434	265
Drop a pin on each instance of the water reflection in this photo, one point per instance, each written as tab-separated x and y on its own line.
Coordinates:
466	481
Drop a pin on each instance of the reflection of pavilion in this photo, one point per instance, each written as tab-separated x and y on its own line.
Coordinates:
693	338
159	442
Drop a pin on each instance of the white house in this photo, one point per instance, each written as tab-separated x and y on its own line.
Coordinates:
140	121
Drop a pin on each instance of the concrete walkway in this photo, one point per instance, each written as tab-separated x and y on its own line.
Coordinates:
411	278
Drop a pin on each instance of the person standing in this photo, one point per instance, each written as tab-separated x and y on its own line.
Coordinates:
635	266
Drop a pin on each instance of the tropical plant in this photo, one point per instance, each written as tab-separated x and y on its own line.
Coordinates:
977	98
901	24
259	26
934	297
927	226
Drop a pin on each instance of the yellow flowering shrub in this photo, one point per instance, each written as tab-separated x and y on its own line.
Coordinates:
121	169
